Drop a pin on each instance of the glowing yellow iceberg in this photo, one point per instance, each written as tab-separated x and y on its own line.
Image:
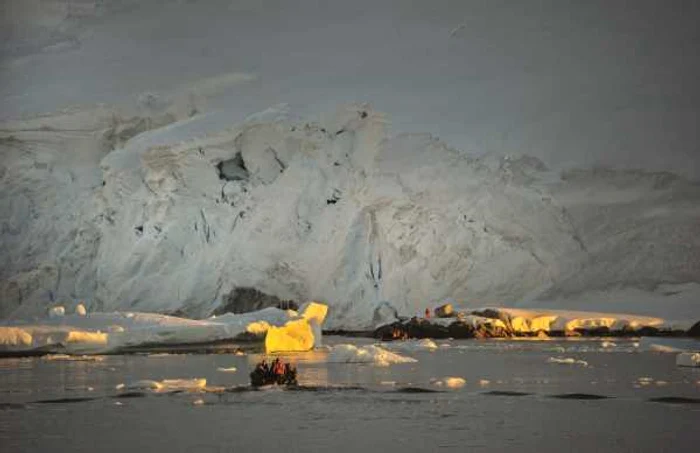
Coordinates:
314	311
294	336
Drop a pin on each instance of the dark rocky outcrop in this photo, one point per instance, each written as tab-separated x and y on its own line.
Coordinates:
694	331
445	311
495	314
245	299
424	328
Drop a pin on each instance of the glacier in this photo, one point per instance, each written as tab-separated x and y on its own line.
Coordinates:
170	213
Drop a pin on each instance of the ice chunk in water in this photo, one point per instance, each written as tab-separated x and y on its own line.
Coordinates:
347	353
425	344
57	312
165	385
688	359
567	361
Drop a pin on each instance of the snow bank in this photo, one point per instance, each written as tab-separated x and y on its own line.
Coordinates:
14	338
688	359
347	353
516	323
528	321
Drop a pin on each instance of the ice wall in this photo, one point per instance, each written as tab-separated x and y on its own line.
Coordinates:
154	214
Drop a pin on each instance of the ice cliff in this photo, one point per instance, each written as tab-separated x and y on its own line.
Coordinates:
170	215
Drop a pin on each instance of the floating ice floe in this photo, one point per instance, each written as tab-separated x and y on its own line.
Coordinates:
450	382
644	381
232	369
56	312
166	385
348	353
425	344
669	345
688	359
567	361
73	358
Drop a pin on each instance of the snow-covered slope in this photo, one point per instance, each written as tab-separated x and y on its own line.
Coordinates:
165	215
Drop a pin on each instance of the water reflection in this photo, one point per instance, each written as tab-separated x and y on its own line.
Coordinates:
315	376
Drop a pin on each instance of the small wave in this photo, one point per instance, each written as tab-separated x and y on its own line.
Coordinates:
675	400
580	396
417	390
506	393
66	400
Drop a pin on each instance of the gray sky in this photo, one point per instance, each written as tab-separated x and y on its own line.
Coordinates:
572	82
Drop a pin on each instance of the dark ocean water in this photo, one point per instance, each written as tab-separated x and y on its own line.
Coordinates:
514	398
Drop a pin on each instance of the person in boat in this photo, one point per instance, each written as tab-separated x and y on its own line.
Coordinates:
290	374
259	375
277	368
276	373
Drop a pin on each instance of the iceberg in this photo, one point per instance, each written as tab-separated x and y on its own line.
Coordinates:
294	336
